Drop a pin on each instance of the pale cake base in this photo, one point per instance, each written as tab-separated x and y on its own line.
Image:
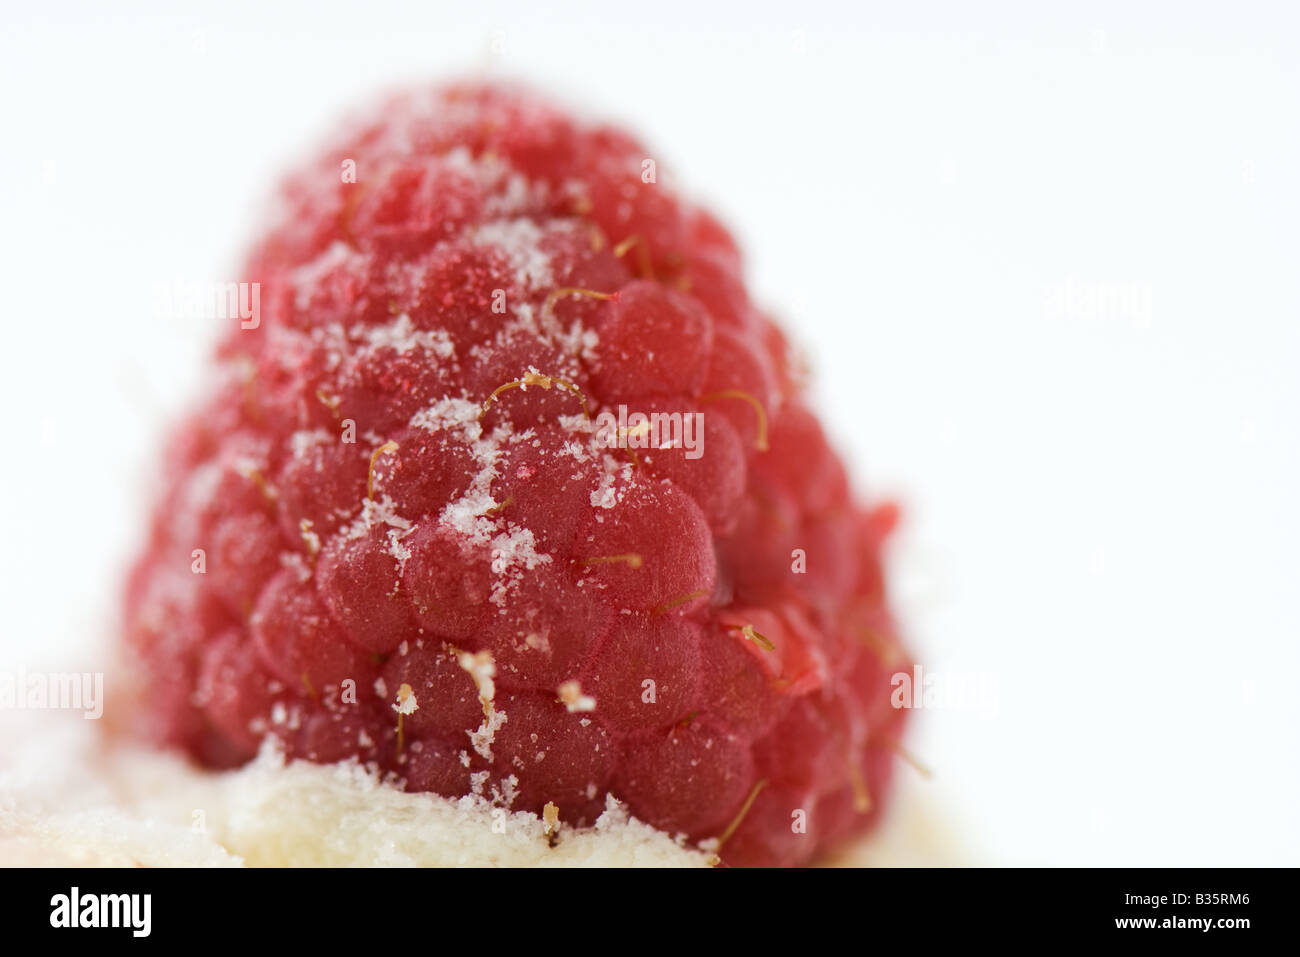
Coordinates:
65	799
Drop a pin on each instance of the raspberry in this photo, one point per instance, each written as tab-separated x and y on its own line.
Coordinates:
424	472
629	559
694	775
432	764
716	481
554	755
544	486
361	583
652	340
646	672
236	694
319	484
449	580
244	556
421	545
547	632
298	640
450	698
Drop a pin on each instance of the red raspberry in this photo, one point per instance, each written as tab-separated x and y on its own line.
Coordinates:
653	341
297	639
423	546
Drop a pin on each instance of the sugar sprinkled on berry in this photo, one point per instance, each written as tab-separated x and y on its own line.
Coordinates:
408	510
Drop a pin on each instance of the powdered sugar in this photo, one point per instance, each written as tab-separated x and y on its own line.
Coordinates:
375	513
406	701
457	414
613	482
570	693
477	781
517	195
513	550
485	734
307	278
506	795
397	549
304	440
481	669
401	336
520	241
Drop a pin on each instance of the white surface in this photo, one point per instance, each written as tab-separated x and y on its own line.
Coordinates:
1102	508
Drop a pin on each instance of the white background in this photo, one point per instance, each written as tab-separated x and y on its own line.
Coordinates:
1101	500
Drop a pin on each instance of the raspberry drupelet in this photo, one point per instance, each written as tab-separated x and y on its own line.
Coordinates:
418	551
